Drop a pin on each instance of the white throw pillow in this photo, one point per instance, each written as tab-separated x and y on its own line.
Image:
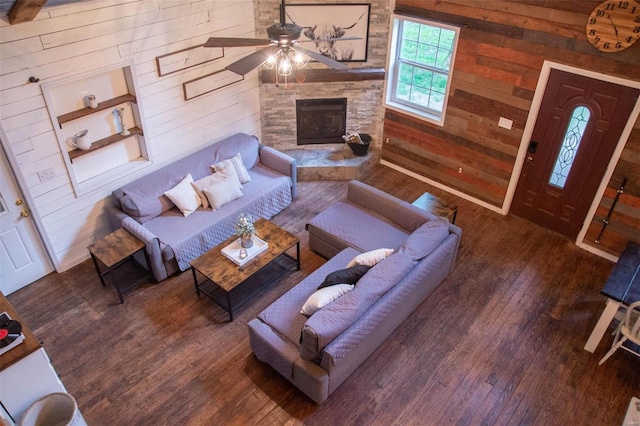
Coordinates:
227	168
370	258
238	165
222	192
201	184
323	297
184	196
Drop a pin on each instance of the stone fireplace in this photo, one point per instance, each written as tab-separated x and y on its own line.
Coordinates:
321	121
365	110
362	88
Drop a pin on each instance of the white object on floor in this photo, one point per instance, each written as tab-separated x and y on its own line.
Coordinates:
633	413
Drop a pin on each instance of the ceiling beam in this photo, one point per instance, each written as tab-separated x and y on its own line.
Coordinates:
25	10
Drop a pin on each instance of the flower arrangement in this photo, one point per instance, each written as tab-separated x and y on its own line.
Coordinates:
244	226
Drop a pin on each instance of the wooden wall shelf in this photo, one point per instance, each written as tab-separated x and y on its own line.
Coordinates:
326	75
109	103
101	143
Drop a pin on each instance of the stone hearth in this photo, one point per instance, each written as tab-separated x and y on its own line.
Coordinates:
332	162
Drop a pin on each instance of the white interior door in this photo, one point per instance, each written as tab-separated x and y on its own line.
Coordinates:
23	257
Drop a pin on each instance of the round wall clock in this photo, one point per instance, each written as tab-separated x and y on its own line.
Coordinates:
614	25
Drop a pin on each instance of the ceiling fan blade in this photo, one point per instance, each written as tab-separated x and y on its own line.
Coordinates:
321	58
246	64
235	42
329	39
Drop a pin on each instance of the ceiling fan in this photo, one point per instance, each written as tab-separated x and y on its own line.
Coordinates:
282	49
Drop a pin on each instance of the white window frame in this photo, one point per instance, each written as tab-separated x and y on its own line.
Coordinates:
391	81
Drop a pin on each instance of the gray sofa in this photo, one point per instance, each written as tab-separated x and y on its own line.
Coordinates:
319	352
173	240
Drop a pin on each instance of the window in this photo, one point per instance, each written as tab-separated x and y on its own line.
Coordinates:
420	66
570	144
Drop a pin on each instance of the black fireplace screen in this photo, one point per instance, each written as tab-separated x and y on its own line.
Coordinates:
321	120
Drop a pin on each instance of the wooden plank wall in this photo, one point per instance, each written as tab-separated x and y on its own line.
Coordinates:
502	47
83	37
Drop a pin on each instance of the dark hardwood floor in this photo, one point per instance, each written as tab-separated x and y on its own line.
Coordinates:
499	342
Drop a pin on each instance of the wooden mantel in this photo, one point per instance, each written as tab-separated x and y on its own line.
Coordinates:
326	75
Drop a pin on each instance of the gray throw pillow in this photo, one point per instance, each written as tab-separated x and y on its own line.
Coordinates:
345	276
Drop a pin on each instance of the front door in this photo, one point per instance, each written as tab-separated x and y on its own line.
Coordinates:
576	132
23	258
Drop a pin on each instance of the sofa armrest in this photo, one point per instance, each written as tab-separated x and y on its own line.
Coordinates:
152	246
396	210
115	217
282	163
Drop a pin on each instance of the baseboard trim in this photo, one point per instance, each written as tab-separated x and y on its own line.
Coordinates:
443	187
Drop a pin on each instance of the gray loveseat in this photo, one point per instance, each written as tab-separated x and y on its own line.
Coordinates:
319	352
173	240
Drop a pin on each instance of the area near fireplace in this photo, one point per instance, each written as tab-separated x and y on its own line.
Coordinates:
331	162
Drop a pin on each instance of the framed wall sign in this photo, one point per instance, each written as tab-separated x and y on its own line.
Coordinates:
323	21
209	83
187	58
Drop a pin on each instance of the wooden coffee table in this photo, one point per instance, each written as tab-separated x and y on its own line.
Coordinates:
224	279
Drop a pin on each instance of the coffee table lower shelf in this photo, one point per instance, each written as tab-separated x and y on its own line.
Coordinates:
252	286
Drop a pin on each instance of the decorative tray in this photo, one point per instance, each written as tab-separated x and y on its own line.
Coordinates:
232	251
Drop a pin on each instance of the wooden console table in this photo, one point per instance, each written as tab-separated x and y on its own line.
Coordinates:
435	205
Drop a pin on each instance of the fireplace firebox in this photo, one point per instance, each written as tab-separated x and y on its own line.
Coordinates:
321	120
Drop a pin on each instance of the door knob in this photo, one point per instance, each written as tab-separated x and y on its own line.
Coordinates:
24	213
18	202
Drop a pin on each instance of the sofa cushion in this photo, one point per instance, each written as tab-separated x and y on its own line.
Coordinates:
184	196
329	322
322	297
345	276
426	238
248	147
144	198
341	225
370	258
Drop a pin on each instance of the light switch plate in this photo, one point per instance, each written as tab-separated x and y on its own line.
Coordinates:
505	123
46	174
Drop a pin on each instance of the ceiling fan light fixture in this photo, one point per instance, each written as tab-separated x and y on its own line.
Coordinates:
300	59
271	61
281	51
284	66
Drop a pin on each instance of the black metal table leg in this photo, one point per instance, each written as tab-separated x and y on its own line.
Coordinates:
229	306
195	281
95	263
